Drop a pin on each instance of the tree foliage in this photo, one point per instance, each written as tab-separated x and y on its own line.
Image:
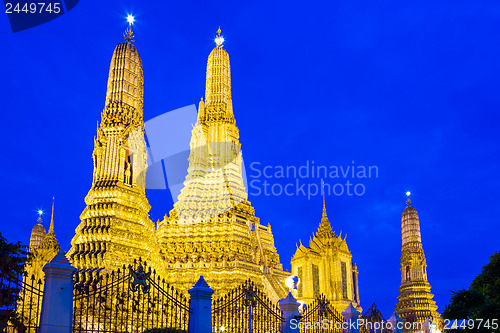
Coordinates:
481	301
13	256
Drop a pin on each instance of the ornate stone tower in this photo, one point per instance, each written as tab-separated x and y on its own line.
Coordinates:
115	227
415	301
325	267
212	229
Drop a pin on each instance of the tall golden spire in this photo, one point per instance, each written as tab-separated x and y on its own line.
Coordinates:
325	228
51	228
324	206
214	183
115	227
212	224
415	300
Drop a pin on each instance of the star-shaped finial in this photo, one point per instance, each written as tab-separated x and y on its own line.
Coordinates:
128	34
408	201
130	19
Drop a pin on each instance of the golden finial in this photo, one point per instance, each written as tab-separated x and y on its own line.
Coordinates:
40	213
51	228
219	40
408	201
324	215
323	192
128	34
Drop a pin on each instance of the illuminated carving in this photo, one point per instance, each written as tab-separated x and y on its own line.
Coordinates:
322	267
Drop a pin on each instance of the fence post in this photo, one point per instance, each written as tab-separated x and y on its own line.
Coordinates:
200	318
57	303
290	308
396	323
351	316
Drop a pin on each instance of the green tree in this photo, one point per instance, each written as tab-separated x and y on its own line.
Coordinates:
13	257
481	301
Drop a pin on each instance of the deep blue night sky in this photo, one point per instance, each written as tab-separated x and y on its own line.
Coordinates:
409	87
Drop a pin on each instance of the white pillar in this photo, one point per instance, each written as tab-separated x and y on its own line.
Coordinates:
396	323
351	316
200	319
57	304
290	308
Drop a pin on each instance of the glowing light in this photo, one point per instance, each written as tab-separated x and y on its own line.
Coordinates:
130	19
408	193
40	212
219	40
302	306
292	282
222	328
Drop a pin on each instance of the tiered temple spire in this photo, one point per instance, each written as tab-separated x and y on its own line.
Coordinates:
115	227
212	229
415	300
214	184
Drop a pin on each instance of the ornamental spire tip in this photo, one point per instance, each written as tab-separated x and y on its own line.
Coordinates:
408	201
51	228
128	34
219	40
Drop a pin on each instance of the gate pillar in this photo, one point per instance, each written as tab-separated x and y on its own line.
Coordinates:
396	323
290	308
351	316
200	318
57	303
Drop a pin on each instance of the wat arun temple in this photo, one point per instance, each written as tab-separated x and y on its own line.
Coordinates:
212	230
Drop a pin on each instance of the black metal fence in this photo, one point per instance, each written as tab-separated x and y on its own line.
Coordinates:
321	317
133	299
20	302
246	309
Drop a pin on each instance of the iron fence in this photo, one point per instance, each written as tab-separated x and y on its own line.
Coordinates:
321	317
132	300
20	302
246	309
